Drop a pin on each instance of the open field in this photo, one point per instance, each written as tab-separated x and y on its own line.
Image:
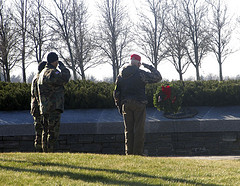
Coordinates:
95	169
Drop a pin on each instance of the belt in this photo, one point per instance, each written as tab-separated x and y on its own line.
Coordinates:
133	101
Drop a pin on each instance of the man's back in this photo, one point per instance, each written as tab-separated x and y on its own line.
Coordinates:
51	89
131	85
130	98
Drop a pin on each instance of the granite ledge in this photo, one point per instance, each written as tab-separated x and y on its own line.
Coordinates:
109	121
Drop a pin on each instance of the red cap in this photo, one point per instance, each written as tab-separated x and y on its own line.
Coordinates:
136	57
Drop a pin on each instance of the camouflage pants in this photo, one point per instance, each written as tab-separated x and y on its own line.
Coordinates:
134	115
50	130
38	126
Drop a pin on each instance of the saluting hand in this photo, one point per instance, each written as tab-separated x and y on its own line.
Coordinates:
147	66
61	65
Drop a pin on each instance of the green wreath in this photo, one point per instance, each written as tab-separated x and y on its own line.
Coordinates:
168	98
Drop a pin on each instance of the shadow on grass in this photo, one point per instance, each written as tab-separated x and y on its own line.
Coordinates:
91	177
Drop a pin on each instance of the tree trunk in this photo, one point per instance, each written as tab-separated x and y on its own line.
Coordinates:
180	69
23	63
180	76
197	73
220	57
74	73
114	74
82	71
7	73
6	70
220	72
24	25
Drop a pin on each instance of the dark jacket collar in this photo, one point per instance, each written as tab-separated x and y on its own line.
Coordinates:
49	65
129	71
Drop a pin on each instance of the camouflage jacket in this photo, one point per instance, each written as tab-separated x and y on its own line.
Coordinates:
34	97
51	88
130	84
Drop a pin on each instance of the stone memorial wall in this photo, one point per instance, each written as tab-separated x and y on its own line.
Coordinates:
214	131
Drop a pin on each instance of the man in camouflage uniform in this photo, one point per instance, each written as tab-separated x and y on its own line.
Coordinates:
38	125
130	97
51	92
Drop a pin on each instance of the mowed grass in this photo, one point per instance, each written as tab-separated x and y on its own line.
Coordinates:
95	169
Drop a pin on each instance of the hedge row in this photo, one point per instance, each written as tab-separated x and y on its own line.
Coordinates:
15	96
212	93
87	94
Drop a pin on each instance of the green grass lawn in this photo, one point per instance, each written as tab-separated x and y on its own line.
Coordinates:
94	169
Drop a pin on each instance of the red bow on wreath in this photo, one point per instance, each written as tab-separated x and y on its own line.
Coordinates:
167	91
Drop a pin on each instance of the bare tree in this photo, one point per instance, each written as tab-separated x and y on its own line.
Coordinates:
39	31
22	19
194	20
177	40
70	25
152	32
221	31
82	39
60	25
8	42
114	33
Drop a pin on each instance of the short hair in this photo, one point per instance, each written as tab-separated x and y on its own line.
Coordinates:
52	57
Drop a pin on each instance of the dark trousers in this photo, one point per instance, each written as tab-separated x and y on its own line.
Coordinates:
50	130
134	115
38	126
